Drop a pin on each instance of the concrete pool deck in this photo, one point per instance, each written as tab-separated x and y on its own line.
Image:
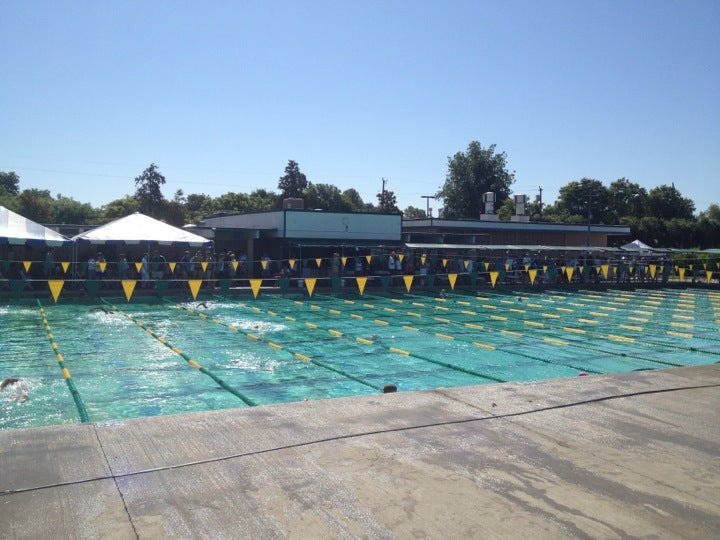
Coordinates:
628	455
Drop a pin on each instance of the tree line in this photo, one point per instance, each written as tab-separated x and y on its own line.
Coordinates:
661	216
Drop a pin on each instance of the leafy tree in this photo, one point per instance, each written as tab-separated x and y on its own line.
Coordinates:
230	202
355	199
626	199
414	213
148	192
68	210
9	201
387	202
36	204
179	197
471	174
263	200
327	197
11	182
119	208
585	200
708	225
294	183
506	210
666	202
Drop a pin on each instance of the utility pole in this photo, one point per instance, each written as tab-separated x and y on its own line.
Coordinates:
428	197
539	199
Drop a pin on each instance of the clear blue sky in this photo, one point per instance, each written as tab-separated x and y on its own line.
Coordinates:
220	95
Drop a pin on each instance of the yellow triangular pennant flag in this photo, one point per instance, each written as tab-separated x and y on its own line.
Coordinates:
128	286
423	258
533	274
56	286
493	277
653	269
605	269
344	260
563	269
368	258
264	264
204	265
102	266
65	266
444	261
235	264
194	285
569	270
27	265
310	284
681	271
465	263
544	268
255	286
452	278
401	256
408	282
487	266
318	261
507	267
527	267
361	282
138	266
690	266
172	266
704	266
709	274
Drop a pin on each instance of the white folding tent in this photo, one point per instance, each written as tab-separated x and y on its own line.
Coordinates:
17	230
139	229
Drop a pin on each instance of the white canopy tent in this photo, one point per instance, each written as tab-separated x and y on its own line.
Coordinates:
139	229
636	245
17	230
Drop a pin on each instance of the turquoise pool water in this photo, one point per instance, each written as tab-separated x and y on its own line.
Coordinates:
151	359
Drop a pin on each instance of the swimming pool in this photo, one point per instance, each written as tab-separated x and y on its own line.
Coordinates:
114	360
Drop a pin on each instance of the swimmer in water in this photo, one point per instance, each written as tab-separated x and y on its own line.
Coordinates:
442	293
19	389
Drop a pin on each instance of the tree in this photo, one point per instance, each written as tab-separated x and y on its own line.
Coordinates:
387	202
708	225
626	199
327	197
294	183
585	200
506	210
11	182
119	208
355	199
414	213
666	203
36	204
262	200
471	174
68	210
148	192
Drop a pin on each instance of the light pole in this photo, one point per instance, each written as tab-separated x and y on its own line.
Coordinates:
427	199
589	219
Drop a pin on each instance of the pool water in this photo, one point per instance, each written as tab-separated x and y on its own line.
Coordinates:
128	360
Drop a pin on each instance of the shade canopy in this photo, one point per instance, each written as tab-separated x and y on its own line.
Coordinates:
19	231
636	245
139	229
